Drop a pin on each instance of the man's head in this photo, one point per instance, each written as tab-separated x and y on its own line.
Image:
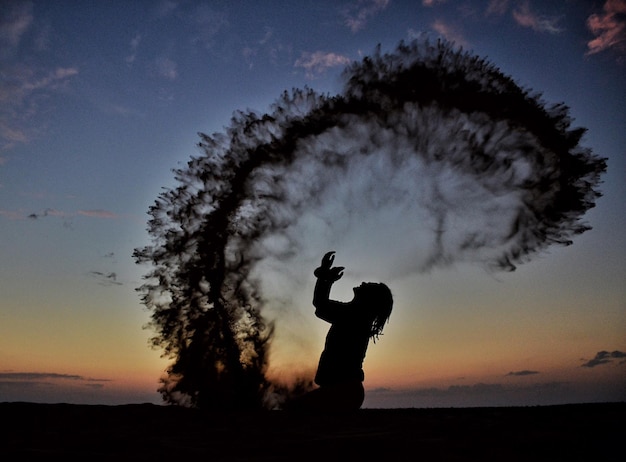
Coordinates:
377	298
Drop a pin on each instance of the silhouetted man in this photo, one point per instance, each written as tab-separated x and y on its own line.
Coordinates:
340	370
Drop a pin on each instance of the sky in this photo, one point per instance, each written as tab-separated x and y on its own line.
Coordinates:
101	100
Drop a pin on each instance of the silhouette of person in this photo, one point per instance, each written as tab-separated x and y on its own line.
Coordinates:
340	369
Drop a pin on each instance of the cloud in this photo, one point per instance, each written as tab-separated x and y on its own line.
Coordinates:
267	46
474	395
11	135
202	21
119	109
497	7
208	23
432	2
165	7
50	212
30	376
50	387
316	63
527	18
449	32
358	14
380	390
609	28
95	386
269	32
106	279
97	214
25	81
521	373
21	90
43	376
134	45
166	68
46	213
605	357
11	214
15	21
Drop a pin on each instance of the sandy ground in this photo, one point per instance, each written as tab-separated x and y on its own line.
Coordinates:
593	432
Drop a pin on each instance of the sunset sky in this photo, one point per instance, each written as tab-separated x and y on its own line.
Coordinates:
99	101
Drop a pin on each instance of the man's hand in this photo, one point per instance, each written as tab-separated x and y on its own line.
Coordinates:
326	271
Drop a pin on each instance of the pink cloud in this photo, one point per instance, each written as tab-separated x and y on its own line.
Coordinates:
316	63
97	213
527	18
11	135
49	81
55	213
49	213
12	214
609	27
449	32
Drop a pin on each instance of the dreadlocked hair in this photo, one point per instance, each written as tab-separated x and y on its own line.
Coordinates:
381	301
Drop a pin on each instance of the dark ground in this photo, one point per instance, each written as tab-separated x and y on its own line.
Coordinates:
585	432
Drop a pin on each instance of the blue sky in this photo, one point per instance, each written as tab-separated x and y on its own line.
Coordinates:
100	100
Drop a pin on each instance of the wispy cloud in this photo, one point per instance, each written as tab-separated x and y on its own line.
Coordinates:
207	23
358	14
527	18
12	214
119	109
23	87
605	357
32	386
609	28
51	387
30	376
318	62
478	394
98	213
202	22
50	212
521	373
16	20
134	45
44	376
105	279
11	135
21	90
166	68
267	47
449	32
497	7
432	2
166	7
46	213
